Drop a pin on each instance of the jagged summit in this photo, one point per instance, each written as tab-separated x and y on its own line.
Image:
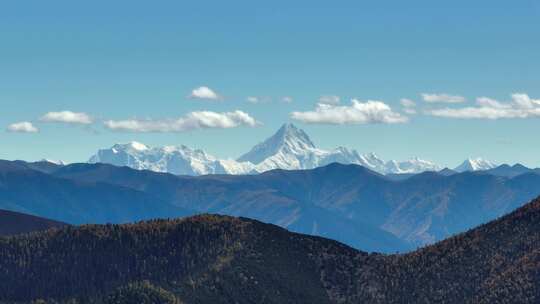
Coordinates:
180	160
475	164
288	137
289	148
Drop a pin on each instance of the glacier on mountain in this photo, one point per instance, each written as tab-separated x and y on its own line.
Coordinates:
475	164
180	160
289	148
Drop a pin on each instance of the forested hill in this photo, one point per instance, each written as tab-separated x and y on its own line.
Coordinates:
219	259
14	223
203	259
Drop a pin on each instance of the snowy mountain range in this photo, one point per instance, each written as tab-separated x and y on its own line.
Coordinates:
289	148
180	160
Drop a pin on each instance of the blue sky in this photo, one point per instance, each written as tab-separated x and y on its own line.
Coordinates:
136	63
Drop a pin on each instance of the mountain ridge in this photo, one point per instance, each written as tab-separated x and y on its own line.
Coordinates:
349	203
204	259
289	148
29	190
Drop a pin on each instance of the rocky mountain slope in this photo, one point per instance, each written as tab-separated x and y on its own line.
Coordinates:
205	259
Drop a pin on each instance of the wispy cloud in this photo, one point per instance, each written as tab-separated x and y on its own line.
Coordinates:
253	99
191	121
407	103
258	99
442	98
268	99
491	103
358	112
67	117
329	99
205	93
409	106
22	127
521	106
287	99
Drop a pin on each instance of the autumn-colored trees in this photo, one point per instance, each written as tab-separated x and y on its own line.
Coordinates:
218	259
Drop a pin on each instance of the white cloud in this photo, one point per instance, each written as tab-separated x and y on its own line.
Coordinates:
408	106
252	99
358	112
473	112
410	111
258	99
329	99
521	106
22	127
191	121
287	99
204	93
407	103
67	117
491	103
524	101
442	98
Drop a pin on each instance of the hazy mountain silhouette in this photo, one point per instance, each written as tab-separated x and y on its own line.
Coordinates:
348	203
76	201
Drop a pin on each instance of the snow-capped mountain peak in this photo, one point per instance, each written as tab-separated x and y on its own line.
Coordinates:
415	165
52	161
287	139
374	162
475	164
289	148
181	160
